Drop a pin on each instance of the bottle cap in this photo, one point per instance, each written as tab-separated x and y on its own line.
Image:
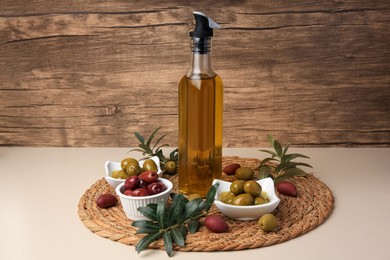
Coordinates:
203	26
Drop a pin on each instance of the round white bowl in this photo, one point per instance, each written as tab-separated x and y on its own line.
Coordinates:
247	212
114	166
130	204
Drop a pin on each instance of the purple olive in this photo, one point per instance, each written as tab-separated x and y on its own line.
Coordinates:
148	176
140	192
156	187
132	183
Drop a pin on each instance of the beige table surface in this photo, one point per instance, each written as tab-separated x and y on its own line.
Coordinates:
41	187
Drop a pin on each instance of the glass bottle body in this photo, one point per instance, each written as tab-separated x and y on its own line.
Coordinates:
200	127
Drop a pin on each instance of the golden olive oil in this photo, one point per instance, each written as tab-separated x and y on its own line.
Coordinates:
200	133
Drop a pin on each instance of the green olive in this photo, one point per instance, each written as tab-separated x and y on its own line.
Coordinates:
133	169
237	187
120	174
115	174
170	167
125	162
268	222
149	165
226	197
260	200
244	173
264	195
244	199
253	188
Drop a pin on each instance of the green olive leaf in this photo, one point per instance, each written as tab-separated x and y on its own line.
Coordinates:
177	236
139	137
193	226
285	149
161	213
184	231
140	223
292	156
152	136
302	164
291	173
177	208
149	229
168	243
147	149
264	172
266	160
161	156
158	141
211	196
147	240
191	208
136	150
269	152
278	148
149	211
174	155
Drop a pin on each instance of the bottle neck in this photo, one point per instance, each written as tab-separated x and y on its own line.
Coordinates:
201	59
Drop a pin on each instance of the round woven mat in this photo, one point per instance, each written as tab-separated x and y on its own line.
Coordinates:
296	216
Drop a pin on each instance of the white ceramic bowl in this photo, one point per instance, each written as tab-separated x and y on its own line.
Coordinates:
114	166
131	204
247	212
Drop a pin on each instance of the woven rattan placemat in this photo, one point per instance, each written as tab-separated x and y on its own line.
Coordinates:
296	216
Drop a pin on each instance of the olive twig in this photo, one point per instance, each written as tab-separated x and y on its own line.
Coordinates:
146	147
172	223
279	165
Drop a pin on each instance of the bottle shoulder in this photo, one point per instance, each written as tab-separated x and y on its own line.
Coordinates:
195	76
216	81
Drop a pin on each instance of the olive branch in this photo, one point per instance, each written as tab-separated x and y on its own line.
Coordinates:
172	223
280	165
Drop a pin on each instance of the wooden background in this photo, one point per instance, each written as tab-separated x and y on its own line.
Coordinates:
90	73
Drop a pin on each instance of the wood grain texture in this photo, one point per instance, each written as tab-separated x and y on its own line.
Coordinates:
90	73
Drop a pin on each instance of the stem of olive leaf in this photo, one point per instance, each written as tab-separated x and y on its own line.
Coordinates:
183	223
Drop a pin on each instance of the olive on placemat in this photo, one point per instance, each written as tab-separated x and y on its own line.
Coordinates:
170	167
216	224
106	200
244	173
267	222
287	188
230	169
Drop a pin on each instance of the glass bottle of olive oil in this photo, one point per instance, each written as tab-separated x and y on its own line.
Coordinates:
200	115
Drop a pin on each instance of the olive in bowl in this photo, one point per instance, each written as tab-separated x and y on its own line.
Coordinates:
247	212
112	167
137	198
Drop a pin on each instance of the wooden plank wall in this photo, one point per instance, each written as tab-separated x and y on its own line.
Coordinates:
90	73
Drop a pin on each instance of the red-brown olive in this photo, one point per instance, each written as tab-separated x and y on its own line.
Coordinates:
106	200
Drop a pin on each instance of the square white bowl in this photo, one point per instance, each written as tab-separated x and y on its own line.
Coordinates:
114	166
247	212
